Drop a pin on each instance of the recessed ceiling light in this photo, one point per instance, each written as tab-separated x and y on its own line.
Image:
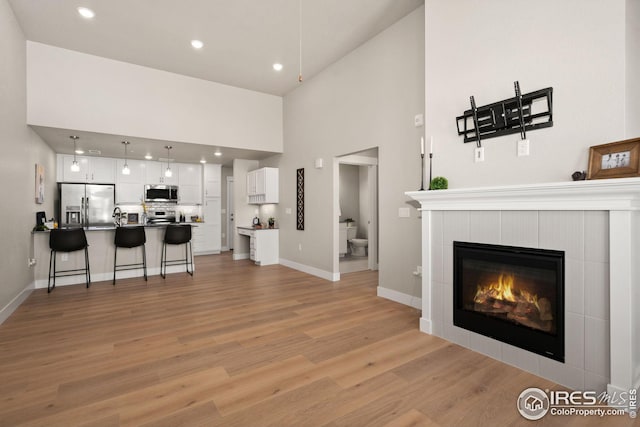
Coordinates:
217	153
79	151
197	44
148	157
277	67
203	161
86	12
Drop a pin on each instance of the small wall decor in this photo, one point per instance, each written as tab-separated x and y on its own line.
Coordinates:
39	192
300	199
619	159
519	114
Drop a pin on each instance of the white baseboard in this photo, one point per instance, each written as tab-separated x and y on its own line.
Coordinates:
396	296
327	275
237	257
8	309
426	326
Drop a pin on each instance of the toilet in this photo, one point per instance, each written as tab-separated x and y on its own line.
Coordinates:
359	247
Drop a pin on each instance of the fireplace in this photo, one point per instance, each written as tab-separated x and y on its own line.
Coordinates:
512	294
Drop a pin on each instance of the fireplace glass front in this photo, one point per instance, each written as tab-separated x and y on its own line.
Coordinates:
512	294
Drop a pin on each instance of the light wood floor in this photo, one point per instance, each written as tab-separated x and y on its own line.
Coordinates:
240	345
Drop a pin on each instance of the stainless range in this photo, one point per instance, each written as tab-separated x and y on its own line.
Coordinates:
161	215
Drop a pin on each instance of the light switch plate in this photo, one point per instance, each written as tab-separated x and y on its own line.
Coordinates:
404	212
287	211
479	155
523	147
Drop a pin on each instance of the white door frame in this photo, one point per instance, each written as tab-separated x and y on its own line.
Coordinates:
230	213
356	160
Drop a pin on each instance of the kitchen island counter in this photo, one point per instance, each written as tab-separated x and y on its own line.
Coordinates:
101	253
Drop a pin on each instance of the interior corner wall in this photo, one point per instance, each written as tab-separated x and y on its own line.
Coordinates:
480	49
632	91
21	150
243	212
366	99
113	97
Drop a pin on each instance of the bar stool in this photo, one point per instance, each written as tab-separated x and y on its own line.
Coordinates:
177	235
129	237
67	240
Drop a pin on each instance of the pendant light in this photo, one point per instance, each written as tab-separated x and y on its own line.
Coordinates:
75	167
168	172
125	168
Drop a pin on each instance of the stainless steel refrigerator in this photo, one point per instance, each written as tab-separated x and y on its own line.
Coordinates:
86	205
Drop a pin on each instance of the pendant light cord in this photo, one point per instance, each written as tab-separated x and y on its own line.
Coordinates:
300	41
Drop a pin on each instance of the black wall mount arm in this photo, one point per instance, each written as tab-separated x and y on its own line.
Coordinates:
519	114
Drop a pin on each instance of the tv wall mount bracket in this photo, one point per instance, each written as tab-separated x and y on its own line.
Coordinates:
519	114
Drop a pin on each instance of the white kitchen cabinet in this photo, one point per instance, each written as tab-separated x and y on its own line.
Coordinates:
190	183
137	175
209	239
96	170
262	186
130	188
212	179
263	245
155	173
206	239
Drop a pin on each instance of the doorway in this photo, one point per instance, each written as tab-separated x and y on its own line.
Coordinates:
356	207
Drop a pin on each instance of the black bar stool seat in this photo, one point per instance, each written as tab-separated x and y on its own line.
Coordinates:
177	235
67	240
129	237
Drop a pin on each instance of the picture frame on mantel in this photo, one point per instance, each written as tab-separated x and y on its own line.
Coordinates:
619	159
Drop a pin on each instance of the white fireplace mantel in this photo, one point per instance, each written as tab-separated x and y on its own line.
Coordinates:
619	197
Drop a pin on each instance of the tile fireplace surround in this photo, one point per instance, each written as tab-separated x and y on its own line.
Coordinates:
596	223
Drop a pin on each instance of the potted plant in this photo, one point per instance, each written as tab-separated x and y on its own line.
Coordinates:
439	183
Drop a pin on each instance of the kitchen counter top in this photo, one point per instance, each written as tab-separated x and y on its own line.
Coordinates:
256	229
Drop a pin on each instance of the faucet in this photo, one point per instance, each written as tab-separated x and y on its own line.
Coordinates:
117	212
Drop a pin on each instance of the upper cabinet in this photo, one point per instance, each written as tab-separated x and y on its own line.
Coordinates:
155	173
130	188
98	170
212	180
190	183
262	186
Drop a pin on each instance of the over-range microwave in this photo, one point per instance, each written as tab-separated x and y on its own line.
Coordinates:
160	193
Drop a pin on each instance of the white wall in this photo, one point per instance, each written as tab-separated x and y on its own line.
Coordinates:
73	90
633	69
481	48
366	99
21	149
349	192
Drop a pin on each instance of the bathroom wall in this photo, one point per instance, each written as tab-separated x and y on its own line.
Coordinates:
349	192
364	201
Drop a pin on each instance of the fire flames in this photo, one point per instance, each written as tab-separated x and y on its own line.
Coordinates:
503	298
503	290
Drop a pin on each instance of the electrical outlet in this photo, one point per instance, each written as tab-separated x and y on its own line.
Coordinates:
479	154
418	120
300	247
287	211
523	147
31	262
65	257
